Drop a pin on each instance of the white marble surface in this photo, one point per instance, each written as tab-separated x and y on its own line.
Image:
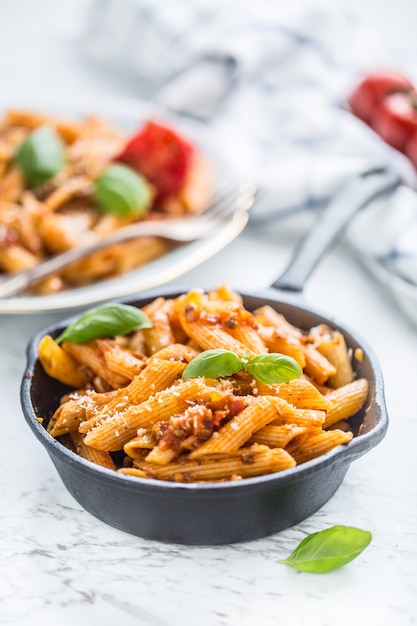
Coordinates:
62	566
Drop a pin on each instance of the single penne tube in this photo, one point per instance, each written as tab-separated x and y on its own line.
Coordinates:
317	366
155	377
118	429
225	294
4	163
95	456
56	236
161	455
230	437
248	336
75	408
120	360
252	461
175	352
48	285
90	355
11	185
267	316
332	345
346	401
59	364
290	346
277	436
132	471
210	337
70	188
98	400
15	258
323	388
145	440
67	418
301	417
300	392
314	444
27	227
160	334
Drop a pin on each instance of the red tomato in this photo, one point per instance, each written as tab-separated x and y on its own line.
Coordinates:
411	149
395	118
161	155
364	99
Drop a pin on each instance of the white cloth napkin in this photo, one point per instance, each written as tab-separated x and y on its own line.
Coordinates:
270	81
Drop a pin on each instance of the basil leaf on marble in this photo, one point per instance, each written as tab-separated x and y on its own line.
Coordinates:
273	368
40	156
109	320
122	191
328	549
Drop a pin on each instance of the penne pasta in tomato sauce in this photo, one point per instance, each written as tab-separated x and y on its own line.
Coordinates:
66	183
200	393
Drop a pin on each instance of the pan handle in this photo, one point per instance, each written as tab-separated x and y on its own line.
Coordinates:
331	222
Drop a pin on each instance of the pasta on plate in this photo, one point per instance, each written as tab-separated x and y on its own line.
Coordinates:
50	200
134	410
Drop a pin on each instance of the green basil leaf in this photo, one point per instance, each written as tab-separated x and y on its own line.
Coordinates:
213	363
328	549
122	191
273	368
109	320
40	156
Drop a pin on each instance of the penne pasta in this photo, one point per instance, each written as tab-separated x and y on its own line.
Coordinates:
135	397
156	376
299	392
277	436
160	335
346	401
317	366
332	345
117	429
62	211
93	357
94	456
59	364
235	433
211	337
252	461
119	360
67	418
309	446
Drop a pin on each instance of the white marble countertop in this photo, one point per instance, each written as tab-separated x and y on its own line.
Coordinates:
62	566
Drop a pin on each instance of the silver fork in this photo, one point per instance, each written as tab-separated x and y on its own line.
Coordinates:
232	201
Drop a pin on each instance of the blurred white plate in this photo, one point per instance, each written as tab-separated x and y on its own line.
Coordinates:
128	115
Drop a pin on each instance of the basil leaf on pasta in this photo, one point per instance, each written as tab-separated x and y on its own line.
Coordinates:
109	320
273	368
213	363
265	368
122	191
40	156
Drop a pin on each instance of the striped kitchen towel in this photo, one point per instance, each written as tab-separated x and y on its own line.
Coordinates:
269	80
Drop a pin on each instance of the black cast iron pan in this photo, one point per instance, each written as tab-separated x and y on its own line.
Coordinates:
221	513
